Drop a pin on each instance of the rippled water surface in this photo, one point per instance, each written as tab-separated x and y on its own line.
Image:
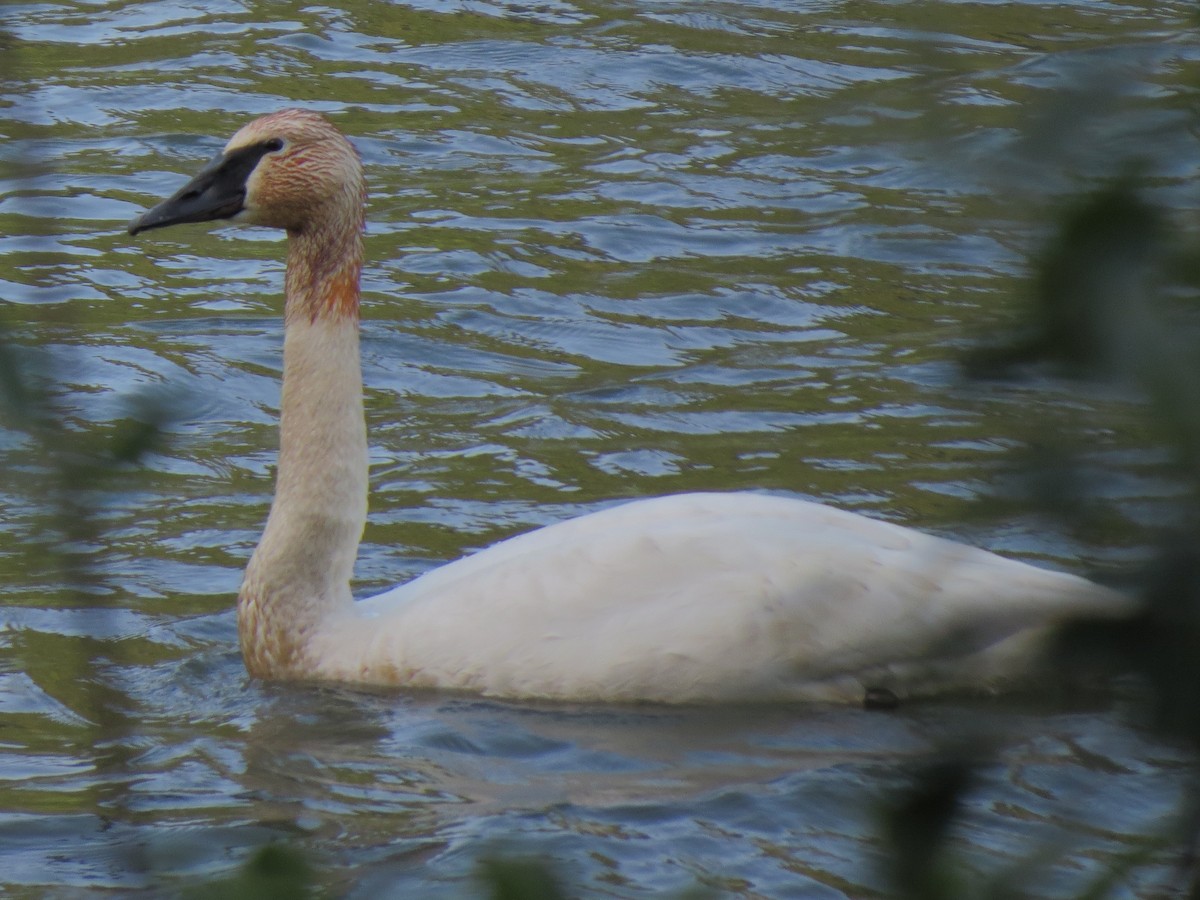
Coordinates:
615	250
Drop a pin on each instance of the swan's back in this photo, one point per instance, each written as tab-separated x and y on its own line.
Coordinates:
701	597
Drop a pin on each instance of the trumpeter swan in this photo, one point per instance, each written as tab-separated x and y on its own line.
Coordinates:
688	598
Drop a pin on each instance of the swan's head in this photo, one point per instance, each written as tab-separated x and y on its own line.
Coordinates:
291	169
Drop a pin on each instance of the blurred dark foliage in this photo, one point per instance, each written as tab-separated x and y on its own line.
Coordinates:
1101	313
520	879
1159	647
78	460
274	872
1087	283
66	465
916	826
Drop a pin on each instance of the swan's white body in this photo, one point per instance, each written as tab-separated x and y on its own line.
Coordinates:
688	598
706	597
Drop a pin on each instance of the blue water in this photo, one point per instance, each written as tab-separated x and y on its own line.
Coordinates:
615	250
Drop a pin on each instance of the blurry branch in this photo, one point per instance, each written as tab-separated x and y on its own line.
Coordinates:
74	463
1103	312
1091	286
1114	306
14	394
1098	311
65	476
921	864
916	826
57	471
519	879
71	462
274	872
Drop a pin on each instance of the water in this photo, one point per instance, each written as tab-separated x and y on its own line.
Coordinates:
615	250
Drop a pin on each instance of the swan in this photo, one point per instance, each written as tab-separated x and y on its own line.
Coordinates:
691	598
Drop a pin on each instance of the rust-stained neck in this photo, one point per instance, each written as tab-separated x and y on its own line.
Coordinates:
324	270
300	572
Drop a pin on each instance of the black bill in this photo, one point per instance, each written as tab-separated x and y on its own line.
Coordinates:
217	192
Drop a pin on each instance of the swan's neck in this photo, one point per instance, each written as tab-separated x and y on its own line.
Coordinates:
300	572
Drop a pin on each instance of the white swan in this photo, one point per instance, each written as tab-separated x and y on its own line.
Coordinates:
689	598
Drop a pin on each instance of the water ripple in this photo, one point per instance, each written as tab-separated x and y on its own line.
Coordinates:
614	250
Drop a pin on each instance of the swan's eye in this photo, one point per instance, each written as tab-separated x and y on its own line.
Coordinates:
273	144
